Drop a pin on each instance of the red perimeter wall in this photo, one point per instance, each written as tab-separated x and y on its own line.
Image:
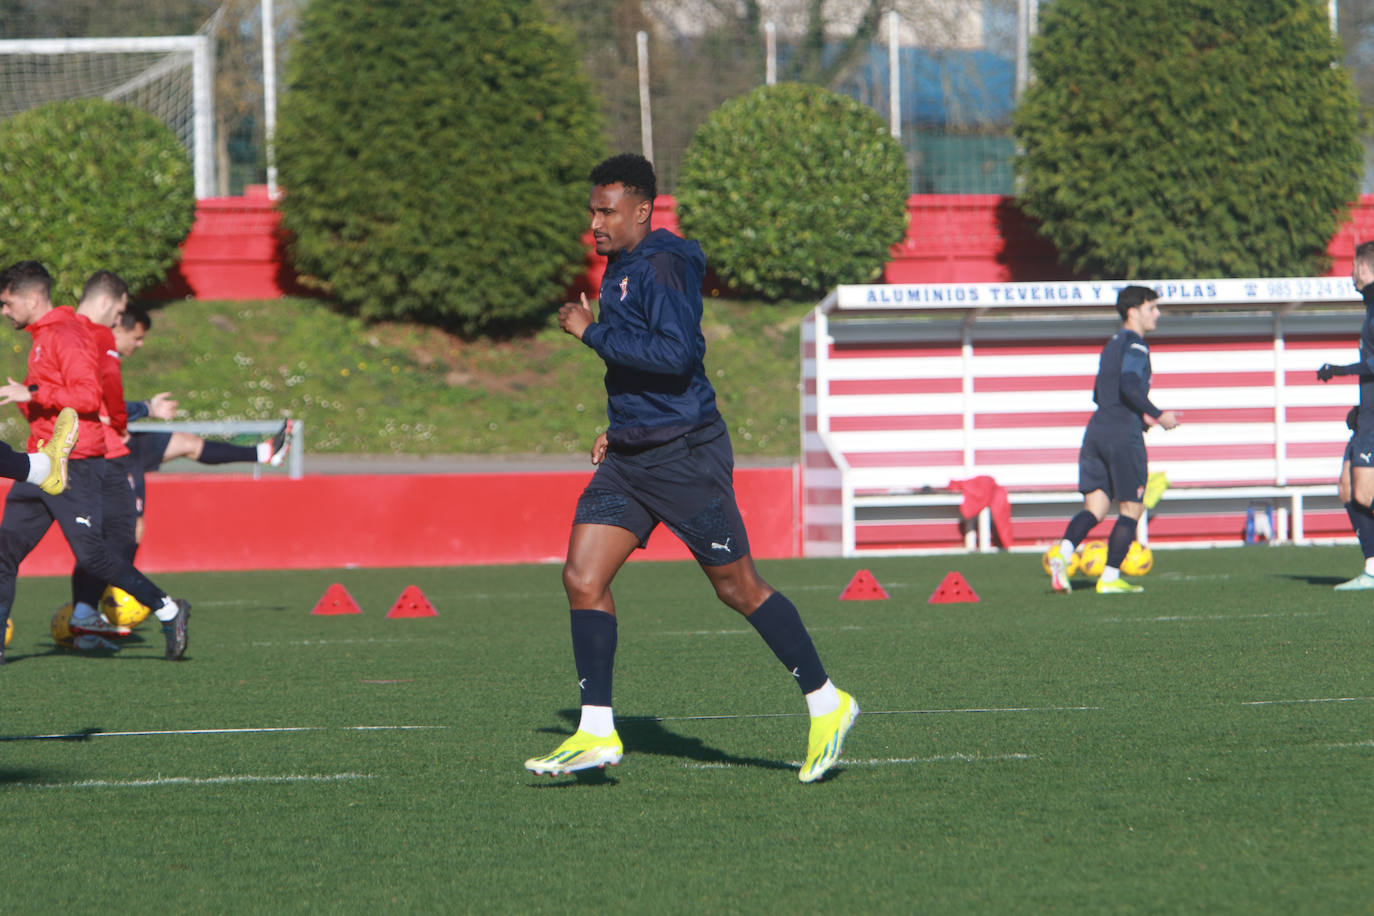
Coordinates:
198	522
237	249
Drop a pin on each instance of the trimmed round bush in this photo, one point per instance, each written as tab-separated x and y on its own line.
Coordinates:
91	185
1188	138
792	189
434	156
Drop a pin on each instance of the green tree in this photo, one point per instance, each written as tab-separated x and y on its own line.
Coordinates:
434	159
792	189
91	185
1168	138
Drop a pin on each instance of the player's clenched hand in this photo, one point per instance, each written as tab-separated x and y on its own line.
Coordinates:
1326	372
574	317
599	449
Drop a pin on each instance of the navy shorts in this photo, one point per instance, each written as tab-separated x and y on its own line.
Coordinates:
145	454
1360	451
1113	462
687	484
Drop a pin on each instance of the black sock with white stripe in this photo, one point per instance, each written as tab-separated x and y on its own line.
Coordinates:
782	629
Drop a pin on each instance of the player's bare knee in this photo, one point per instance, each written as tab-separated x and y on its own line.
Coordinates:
583	589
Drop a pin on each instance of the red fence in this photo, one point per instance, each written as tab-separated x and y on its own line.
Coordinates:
201	522
237	249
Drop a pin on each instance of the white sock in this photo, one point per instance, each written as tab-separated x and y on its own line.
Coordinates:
1110	574
39	467
82	611
264	452
1066	548
168	610
1369	565
597	720
823	700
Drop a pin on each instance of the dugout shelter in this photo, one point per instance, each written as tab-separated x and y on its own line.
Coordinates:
906	388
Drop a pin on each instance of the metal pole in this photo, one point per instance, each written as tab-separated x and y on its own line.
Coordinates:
770	53
646	118
203	89
1022	45
269	93
1333	12
894	73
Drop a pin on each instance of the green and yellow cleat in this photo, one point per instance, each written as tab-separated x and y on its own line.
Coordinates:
826	740
1059	571
580	752
57	449
1118	587
1361	582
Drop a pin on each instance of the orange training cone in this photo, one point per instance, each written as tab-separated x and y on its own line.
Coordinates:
953	590
863	587
337	600
412	603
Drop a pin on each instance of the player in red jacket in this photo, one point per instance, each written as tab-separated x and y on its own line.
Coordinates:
62	371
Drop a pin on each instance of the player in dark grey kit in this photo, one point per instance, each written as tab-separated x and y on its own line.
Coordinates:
666	458
1357	470
1111	463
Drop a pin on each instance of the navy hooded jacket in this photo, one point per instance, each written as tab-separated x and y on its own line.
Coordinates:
648	333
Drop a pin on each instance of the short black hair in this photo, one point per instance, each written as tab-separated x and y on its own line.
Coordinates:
630	169
135	315
1365	252
104	281
25	275
1132	297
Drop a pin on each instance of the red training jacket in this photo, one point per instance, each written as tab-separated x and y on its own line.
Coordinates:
62	364
114	418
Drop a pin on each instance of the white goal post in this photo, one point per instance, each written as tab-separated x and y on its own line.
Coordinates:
68	68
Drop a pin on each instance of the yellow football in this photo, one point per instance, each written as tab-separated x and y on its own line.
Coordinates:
1071	568
61	632
121	608
1139	560
1092	558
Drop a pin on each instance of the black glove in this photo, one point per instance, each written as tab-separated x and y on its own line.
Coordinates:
1351	417
1326	372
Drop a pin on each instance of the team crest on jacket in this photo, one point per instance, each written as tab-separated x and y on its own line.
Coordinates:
624	287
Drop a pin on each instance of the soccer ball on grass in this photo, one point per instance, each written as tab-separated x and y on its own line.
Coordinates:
1139	560
1092	558
121	608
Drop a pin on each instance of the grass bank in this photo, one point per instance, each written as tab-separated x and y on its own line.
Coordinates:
403	389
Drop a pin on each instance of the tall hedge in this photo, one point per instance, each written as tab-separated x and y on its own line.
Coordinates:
792	189
1188	138
91	185
434	157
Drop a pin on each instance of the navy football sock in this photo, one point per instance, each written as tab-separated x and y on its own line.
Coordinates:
14	465
1363	523
1119	541
1079	526
226	453
594	639
781	627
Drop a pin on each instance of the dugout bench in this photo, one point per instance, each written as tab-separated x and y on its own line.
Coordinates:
906	388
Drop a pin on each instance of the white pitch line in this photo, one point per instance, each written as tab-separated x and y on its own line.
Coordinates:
1177	618
1312	700
195	781
73	736
866	712
296	643
1349	744
886	761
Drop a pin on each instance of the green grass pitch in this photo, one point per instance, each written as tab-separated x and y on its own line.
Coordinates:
1206	746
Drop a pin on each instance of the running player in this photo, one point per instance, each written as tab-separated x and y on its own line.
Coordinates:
1356	486
666	458
1111	462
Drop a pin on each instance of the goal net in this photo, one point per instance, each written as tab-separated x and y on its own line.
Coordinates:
169	77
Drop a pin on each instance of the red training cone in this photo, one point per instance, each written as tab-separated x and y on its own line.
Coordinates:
412	603
863	587
953	590
337	600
